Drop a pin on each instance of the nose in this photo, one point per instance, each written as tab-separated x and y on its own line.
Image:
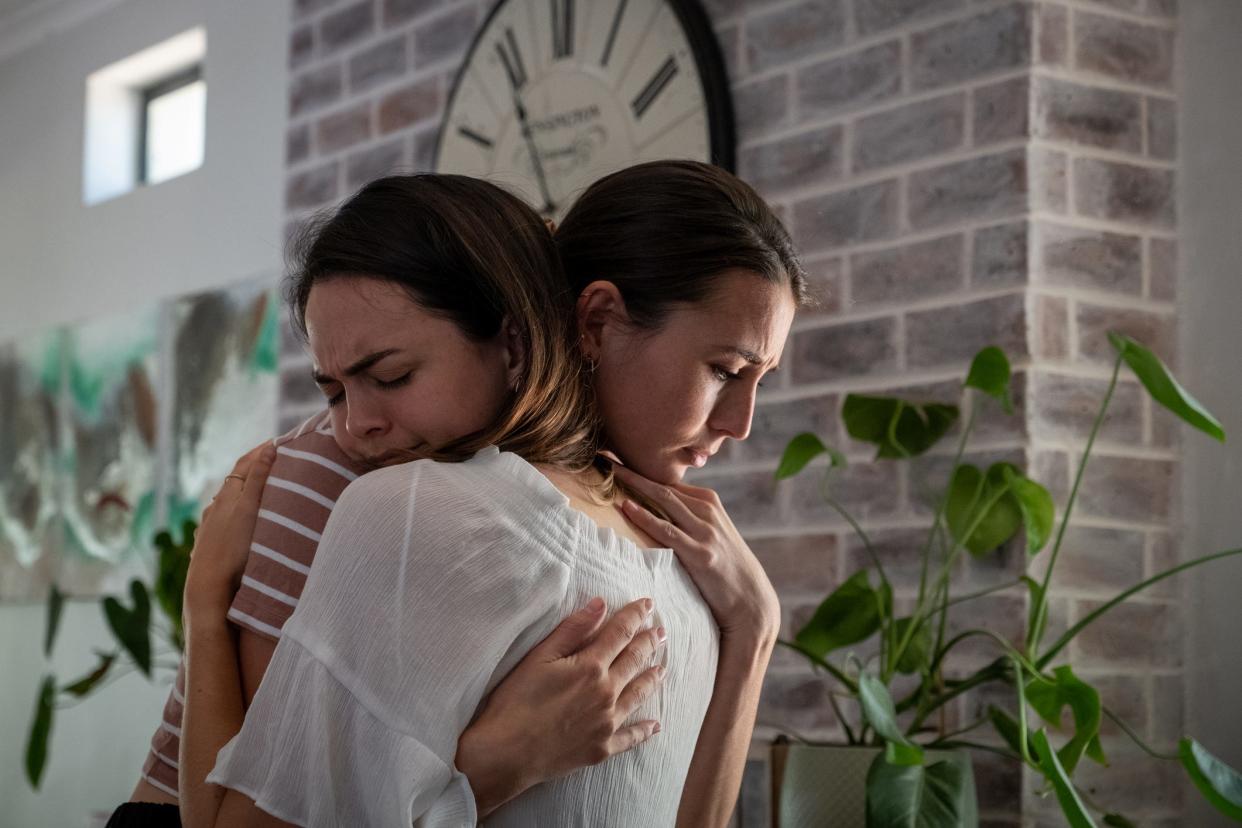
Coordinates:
734	411
364	420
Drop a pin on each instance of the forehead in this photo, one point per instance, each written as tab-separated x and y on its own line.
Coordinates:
744	310
350	314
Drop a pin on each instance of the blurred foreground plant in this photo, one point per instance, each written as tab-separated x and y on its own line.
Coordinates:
132	626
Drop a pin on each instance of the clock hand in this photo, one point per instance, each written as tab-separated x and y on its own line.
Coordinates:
548	206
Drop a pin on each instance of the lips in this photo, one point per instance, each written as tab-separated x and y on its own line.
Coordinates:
698	457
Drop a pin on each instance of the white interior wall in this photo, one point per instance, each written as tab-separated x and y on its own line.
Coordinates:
1210	315
61	261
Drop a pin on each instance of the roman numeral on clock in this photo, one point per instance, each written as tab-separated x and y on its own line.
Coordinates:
562	28
512	59
663	76
481	140
612	33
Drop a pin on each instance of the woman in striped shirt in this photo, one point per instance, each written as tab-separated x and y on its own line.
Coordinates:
649	439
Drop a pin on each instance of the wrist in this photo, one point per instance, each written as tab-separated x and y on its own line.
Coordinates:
481	757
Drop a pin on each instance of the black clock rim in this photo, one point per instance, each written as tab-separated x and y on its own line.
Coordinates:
707	56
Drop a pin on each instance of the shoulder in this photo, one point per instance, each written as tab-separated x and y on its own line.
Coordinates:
490	483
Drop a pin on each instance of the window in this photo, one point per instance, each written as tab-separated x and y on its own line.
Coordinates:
145	118
171	135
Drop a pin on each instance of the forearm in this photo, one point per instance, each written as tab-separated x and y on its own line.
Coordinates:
715	774
213	714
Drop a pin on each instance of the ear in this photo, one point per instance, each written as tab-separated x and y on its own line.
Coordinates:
513	345
599	307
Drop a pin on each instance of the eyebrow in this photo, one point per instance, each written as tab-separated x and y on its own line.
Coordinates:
355	369
748	355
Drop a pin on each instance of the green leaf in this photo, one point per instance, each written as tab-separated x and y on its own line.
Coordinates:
1163	388
1006	726
1073	808
1220	784
87	683
802	450
973	502
1037	509
55	606
1049	698
132	627
990	373
877	706
40	732
917	655
897	427
849	615
914	796
172	566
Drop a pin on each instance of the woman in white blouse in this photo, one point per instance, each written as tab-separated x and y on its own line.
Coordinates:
433	578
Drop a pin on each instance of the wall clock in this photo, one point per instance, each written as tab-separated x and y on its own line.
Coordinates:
554	94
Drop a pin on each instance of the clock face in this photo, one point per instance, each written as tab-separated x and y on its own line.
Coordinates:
555	94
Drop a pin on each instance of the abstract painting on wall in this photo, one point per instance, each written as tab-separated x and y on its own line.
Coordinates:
225	345
117	427
109	448
30	384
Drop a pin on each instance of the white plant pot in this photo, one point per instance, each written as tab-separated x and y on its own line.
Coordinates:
825	786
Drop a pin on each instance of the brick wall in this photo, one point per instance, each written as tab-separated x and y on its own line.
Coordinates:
956	174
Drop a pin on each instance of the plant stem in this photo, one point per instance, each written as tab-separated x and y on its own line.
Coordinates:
886	631
973	595
1038	615
944	502
949	736
849	733
958	743
1069	634
835	672
1148	749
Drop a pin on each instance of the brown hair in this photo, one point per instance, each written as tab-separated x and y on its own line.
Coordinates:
479	256
663	232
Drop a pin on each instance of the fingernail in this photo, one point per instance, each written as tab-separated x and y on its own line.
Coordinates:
661	634
660	671
655	728
648	605
595	606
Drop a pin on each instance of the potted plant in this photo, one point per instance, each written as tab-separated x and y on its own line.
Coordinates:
132	628
891	665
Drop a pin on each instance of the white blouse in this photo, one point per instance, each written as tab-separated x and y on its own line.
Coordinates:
431	582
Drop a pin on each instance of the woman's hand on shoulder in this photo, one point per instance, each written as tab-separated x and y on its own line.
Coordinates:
222	542
564	706
723	567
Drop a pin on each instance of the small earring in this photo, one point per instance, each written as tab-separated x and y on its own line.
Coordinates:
590	365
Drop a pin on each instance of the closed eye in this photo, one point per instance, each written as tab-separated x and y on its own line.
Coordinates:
404	379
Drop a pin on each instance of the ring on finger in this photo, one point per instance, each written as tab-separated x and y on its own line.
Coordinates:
235	477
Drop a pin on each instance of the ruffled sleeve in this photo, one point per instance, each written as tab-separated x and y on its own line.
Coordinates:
427	588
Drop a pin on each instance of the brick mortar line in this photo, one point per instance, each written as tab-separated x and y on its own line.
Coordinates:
370	95
1084	77
1154	21
1120	301
1084	151
894	172
343	155
939	302
847	251
897	33
1112	451
796	393
1105	225
895	102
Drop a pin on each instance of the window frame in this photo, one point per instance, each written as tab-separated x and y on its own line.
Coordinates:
148	94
